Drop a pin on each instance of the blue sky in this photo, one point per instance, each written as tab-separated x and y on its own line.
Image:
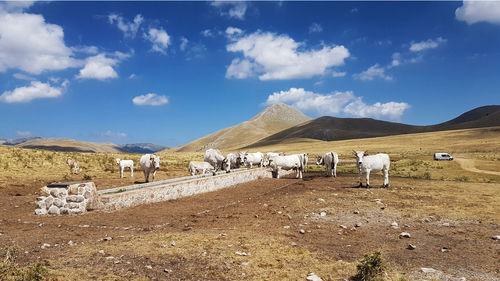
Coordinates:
171	72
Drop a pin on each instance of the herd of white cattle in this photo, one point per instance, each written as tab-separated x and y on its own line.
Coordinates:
215	160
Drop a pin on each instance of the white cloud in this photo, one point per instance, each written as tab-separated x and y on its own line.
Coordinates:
338	74
208	33
129	28
36	90
150	99
479	11
111	134
28	43
99	67
373	72
132	76
22	76
240	69
184	42
390	110
396	60
24	134
159	38
277	57
428	44
336	103
231	31
315	28
15	6
91	50
234	10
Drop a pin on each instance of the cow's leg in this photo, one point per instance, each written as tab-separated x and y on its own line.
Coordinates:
132	171
121	172
360	178
386	177
335	170
146	176
367	178
300	173
154	174
278	173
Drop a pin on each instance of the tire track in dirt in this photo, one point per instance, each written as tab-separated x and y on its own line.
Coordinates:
468	165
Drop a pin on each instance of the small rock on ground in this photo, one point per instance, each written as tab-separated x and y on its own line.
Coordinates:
313	277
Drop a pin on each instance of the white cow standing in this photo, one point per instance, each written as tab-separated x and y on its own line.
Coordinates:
197	166
251	159
289	162
372	163
215	158
73	166
125	164
232	161
149	163
330	161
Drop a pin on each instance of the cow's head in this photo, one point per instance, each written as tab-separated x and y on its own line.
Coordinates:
155	161
241	156
118	161
226	164
319	160
359	156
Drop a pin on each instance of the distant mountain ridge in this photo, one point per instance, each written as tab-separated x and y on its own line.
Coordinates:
329	128
271	120
142	147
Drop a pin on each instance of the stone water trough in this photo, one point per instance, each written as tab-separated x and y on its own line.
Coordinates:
78	197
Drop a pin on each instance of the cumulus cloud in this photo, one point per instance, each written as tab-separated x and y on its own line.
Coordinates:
338	74
22	76
159	38
129	28
428	44
150	99
234	10
36	90
375	71
315	28
479	11
207	33
336	103
240	69
231	31
184	42
113	135
276	57
15	6
91	50
99	67
30	44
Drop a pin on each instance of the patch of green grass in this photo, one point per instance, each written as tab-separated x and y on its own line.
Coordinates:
370	268
11	271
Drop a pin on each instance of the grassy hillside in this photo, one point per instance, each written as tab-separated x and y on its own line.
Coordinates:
271	120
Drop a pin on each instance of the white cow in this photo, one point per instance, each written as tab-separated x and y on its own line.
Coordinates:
372	163
215	158
149	163
232	161
305	158
197	166
289	162
251	159
330	161
270	155
125	164
73	166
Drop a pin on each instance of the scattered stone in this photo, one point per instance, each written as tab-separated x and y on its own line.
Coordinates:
289	217
107	238
116	262
149	267
101	252
358	224
166	270
322	214
356	212
256	216
245	263
286	227
404	235
496	237
321	199
293	244
71	243
411	247
265	205
313	277
394	225
427	270
343	226
280	212
110	257
172	244
242	253
302	231
45	245
444	249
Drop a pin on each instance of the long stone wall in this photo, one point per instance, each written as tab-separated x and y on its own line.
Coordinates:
129	196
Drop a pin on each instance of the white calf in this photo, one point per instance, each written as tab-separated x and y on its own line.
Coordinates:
73	165
251	159
149	163
289	162
232	161
197	166
330	161
125	164
372	163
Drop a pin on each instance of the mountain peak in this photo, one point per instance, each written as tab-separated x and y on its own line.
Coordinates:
281	112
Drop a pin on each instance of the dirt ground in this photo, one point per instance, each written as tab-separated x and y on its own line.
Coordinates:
252	231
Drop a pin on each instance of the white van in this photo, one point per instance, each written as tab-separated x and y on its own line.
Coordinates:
442	156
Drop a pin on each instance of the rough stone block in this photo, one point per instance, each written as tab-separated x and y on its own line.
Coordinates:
64	211
73	189
48	201
41	205
41	211
75	198
60	193
58	203
53	210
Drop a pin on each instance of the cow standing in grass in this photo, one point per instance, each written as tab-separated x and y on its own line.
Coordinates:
372	163
215	158
287	163
150	163
251	159
125	164
330	161
73	166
